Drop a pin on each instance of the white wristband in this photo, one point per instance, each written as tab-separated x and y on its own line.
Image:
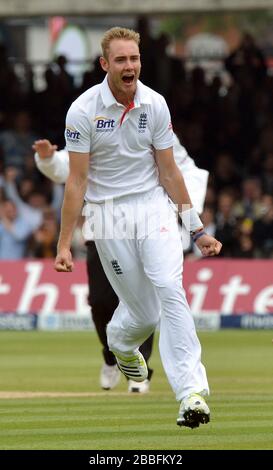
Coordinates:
191	220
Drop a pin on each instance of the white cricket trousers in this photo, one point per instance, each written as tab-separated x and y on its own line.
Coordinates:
144	267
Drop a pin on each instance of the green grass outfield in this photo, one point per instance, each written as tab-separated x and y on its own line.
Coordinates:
66	408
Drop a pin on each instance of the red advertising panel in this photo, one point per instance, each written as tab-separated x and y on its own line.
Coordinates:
34	286
212	286
229	286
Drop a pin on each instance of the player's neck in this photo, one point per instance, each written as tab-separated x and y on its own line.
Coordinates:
125	99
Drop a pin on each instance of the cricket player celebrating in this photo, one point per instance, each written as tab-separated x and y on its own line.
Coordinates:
120	142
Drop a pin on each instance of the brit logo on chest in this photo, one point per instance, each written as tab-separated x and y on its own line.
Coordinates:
104	124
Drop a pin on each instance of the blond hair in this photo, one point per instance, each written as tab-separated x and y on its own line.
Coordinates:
117	33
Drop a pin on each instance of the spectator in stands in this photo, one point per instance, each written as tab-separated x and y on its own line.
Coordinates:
29	210
92	77
16	143
211	196
250	203
42	243
247	59
245	244
66	80
147	51
14	232
226	223
226	173
12	96
51	106
263	229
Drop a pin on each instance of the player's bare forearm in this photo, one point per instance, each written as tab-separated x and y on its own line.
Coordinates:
171	178
71	209
174	185
72	204
75	189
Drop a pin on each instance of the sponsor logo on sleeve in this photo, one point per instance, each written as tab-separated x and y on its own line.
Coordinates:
72	135
104	124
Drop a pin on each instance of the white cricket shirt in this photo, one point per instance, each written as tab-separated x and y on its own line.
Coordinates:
120	144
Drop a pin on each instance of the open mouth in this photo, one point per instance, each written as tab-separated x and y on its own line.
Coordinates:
128	79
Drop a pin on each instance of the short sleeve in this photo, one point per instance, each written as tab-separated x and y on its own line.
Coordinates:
163	131
77	130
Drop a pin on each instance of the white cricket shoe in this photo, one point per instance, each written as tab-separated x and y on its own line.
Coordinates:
193	411
109	376
138	387
134	367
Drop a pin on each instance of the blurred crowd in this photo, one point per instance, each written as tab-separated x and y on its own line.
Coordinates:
227	129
